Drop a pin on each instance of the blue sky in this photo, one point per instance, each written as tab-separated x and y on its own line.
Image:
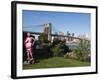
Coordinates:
78	23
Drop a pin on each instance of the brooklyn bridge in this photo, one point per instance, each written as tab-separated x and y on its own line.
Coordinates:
52	32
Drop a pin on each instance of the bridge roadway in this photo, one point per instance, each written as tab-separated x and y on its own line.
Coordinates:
38	33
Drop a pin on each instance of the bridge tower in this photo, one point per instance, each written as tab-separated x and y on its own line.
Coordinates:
48	30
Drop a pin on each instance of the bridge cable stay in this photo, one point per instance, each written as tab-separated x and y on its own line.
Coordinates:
31	28
55	29
34	26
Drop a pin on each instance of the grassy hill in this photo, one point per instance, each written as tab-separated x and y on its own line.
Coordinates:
56	62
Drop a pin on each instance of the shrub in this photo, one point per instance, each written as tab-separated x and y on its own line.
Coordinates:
66	55
82	51
43	52
59	49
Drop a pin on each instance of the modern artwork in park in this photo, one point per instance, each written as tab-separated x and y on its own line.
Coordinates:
53	39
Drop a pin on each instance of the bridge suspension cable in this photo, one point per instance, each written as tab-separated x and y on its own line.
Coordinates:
34	26
31	27
55	29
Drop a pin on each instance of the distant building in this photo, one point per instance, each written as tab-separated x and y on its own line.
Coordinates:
61	38
56	37
70	37
84	37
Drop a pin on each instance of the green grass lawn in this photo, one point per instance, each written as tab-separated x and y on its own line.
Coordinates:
56	62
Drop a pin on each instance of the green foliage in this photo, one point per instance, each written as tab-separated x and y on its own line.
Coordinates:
44	44
43	38
43	52
82	51
55	42
59	48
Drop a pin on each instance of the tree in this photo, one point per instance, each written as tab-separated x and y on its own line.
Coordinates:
43	38
55	41
59	48
82	51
